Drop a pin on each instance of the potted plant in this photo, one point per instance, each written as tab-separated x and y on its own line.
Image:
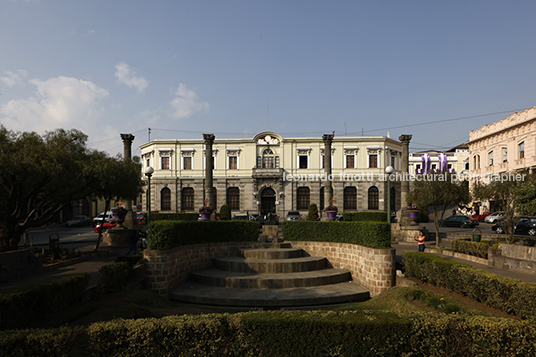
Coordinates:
119	216
205	212
331	211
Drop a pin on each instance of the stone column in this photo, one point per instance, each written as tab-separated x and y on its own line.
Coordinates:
328	184
404	189
209	190
127	156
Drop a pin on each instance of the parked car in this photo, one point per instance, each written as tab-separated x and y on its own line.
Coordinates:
105	226
140	217
525	225
103	217
481	217
459	221
293	216
78	221
494	217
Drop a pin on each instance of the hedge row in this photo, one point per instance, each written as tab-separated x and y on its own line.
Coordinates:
170	234
466	246
173	217
19	308
284	333
370	234
370	216
506	294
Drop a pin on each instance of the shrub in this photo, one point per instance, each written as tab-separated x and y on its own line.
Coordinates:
371	234
170	234
225	213
115	276
502	293
19	308
370	216
174	217
466	246
313	212
130	259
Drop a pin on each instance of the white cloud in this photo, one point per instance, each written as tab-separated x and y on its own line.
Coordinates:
126	76
13	78
60	102
186	103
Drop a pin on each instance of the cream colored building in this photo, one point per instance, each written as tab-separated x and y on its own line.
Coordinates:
506	146
457	159
271	173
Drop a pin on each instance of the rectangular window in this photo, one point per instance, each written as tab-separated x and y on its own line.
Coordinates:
393	162
490	155
417	168
165	163
187	163
233	163
303	161
373	161
148	162
522	150
350	161
505	154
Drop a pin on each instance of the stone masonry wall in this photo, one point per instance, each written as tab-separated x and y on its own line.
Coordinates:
373	268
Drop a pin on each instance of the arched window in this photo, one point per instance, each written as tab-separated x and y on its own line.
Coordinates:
373	198
187	199
268	160
303	198
233	198
350	198
165	199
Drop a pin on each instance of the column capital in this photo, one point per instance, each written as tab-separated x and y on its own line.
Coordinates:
328	138
405	139
209	138
127	137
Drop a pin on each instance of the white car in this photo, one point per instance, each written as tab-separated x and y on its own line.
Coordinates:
106	217
494	217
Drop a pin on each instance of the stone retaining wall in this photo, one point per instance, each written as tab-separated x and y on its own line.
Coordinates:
373	268
513	257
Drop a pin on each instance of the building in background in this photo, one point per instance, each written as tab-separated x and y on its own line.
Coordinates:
506	146
457	159
272	174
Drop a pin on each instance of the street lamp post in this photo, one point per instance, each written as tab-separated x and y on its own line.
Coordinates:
149	172
389	170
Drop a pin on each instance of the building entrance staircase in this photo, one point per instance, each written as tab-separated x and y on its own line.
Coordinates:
272	275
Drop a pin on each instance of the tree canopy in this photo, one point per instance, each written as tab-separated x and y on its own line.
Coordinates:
438	190
40	175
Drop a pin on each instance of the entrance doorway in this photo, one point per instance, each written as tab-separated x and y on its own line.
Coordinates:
267	201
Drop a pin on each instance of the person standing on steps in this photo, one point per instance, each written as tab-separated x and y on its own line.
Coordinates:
420	241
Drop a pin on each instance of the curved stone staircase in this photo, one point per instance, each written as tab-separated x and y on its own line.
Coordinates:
273	275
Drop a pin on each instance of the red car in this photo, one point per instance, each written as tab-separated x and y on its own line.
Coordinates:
106	226
481	217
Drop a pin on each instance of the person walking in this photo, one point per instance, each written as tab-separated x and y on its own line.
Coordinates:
420	241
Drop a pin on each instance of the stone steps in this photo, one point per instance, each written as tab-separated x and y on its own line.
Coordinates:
228	279
270	275
271	298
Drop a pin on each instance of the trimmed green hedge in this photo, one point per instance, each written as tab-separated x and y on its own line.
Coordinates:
370	216
172	217
370	234
284	333
466	246
171	234
506	294
19	308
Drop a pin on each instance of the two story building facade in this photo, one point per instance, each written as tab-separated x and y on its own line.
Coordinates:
272	174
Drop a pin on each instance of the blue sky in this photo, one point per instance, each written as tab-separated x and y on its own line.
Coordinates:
183	68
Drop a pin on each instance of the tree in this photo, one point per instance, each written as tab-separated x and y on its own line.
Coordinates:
40	175
438	190
509	195
313	212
